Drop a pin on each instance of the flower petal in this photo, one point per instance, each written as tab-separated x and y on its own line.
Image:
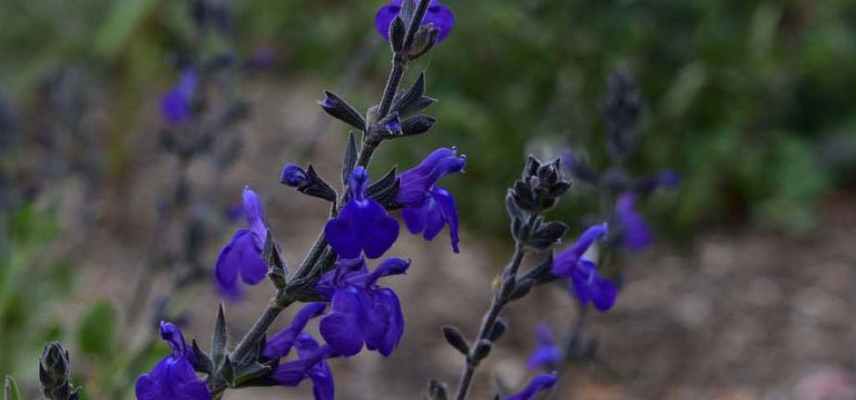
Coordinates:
414	218
384	17
538	384
228	266
255	216
340	233
279	345
434	221
342	329
636	233
450	214
395	327
442	18
377	230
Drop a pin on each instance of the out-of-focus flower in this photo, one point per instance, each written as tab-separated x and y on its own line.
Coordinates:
585	281
538	384
312	365
243	255
176	103
634	230
428	207
363	312
438	15
547	354
363	226
173	378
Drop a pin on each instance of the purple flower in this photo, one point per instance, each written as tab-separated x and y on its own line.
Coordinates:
362	311
438	15
428	207
547	354
664	179
585	281
243	255
292	175
175	104
311	364
173	378
635	231
280	344
538	384
363	225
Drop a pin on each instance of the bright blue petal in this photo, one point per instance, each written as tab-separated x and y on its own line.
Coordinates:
342	329
446	203
341	235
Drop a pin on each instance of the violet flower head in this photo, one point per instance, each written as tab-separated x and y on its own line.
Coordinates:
438	15
427	208
243	255
292	175
311	364
176	103
173	378
586	283
547	354
635	232
363	225
538	384
362	312
280	344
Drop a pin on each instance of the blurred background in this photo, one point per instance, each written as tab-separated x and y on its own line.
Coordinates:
113	216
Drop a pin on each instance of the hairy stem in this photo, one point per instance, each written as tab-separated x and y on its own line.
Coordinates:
487	326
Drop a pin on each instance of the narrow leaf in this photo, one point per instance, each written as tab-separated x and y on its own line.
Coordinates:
218	342
405	100
350	158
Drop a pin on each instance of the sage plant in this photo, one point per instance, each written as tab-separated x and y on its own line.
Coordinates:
341	278
362	313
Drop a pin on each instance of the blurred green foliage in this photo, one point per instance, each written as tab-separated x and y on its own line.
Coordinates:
31	283
741	94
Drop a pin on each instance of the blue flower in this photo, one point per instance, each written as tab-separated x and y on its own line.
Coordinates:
363	225
243	255
428	207
538	384
362	311
173	378
438	15
585	281
176	103
280	344
310	364
635	232
292	175
547	354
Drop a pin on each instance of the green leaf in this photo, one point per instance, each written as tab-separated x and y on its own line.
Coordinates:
125	17
97	330
10	389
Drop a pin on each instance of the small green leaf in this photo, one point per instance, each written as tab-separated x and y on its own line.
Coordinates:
10	389
97	330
